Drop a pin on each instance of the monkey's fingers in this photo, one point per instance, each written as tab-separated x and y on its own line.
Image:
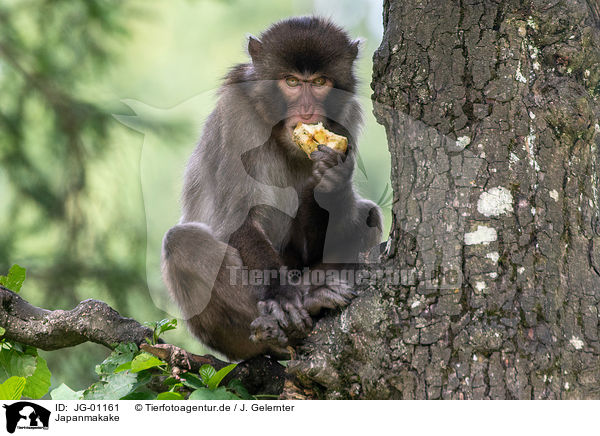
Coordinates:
329	172
272	308
299	317
327	298
322	173
276	311
324	298
327	156
339	155
341	287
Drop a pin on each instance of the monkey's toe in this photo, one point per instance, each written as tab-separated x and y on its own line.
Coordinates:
289	313
330	296
299	318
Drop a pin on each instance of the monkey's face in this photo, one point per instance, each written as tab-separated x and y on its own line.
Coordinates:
304	96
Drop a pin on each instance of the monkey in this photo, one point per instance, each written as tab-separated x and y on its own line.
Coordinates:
254	202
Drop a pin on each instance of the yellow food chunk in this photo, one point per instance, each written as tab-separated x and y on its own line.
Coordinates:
309	136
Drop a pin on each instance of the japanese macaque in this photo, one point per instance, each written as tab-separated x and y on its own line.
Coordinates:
255	205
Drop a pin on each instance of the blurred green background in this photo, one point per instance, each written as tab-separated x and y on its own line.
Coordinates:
101	103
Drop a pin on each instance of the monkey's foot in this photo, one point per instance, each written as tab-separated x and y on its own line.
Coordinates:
337	293
265	328
279	318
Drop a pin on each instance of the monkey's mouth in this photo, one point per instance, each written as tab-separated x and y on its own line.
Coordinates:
305	118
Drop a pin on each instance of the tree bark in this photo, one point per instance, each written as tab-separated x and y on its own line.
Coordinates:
491	112
91	321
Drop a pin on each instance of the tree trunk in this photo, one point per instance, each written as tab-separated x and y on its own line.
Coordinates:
491	114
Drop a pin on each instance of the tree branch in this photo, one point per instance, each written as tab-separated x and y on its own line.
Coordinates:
90	321
95	321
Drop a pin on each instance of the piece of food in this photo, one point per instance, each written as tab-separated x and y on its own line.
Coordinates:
309	136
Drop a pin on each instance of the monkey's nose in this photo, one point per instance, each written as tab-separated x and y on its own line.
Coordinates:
307	110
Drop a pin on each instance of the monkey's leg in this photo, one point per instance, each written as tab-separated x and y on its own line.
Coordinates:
202	275
282	316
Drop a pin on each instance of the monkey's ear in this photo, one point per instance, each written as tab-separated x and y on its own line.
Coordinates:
355	46
254	47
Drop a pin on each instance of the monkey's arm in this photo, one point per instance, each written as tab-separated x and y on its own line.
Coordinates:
353	225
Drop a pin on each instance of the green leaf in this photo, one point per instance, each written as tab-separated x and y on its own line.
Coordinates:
15	278
144	361
16	363
121	354
385	200
39	382
2	331
239	389
18	346
159	327
140	396
28	364
63	392
12	388
172	381
218	394
123	367
113	387
170	396
191	381
220	375
167	324
206	372
143	378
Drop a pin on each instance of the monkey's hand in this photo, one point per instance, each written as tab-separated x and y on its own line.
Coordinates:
332	170
282	314
335	293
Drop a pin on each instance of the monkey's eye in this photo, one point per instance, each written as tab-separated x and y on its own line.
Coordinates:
319	81
292	81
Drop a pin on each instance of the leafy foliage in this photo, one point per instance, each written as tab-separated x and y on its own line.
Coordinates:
14	279
127	372
17	360
159	327
220	393
12	388
218	377
63	392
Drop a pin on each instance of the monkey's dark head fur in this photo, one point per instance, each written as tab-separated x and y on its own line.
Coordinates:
305	45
